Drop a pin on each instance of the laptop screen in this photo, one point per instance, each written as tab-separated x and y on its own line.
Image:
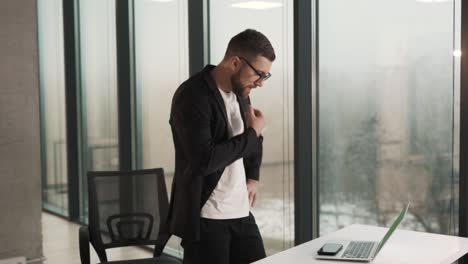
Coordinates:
392	228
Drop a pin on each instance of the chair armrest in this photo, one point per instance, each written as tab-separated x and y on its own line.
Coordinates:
84	245
158	249
163	237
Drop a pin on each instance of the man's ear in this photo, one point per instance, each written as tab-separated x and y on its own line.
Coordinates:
235	63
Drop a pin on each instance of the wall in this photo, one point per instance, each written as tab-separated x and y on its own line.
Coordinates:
20	178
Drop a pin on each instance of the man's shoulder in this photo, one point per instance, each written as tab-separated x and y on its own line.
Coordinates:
196	80
195	86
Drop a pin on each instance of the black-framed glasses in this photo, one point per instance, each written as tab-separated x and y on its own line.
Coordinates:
261	76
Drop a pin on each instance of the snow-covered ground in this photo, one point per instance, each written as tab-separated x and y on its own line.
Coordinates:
275	219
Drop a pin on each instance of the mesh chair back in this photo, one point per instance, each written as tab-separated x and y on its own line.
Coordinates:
126	208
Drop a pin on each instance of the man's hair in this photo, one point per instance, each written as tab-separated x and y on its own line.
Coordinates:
250	43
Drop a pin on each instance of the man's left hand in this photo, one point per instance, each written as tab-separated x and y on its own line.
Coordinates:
252	190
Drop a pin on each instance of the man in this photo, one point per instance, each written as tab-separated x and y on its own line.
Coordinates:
218	143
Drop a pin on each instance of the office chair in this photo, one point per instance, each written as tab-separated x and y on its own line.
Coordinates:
125	209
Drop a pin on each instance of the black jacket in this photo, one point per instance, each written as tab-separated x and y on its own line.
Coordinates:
203	149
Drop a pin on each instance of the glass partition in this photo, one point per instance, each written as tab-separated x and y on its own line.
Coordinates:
161	65
99	116
53	120
274	209
388	88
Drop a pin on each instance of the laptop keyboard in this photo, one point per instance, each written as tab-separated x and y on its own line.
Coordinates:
358	249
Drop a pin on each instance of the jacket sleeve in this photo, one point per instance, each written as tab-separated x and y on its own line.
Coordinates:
253	161
194	118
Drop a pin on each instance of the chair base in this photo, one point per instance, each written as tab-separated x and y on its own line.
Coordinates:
160	260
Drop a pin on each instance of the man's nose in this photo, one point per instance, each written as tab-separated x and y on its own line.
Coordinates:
259	83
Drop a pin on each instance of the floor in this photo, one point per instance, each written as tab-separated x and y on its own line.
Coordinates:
60	244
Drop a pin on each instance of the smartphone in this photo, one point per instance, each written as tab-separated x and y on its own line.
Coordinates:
330	249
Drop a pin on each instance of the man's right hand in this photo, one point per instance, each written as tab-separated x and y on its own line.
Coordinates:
255	119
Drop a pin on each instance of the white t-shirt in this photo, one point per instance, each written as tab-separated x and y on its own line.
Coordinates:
230	198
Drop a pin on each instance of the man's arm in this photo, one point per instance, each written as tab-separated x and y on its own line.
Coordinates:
252	171
253	162
192	117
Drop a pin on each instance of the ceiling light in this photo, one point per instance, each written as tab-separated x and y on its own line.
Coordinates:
259	5
432	1
457	53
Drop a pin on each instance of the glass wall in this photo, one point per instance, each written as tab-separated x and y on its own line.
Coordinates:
98	89
388	87
161	65
388	97
274	209
53	122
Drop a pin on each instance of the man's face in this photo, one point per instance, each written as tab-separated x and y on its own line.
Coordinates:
246	78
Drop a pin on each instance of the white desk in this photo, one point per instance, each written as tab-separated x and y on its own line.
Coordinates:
403	247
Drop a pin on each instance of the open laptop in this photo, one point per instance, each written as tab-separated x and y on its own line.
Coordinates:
364	251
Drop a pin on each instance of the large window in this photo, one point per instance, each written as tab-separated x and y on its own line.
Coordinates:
274	210
54	151
387	95
161	65
388	83
98	89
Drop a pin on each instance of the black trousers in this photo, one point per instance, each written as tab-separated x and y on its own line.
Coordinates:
231	241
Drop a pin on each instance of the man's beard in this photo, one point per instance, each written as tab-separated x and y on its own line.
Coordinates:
236	85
